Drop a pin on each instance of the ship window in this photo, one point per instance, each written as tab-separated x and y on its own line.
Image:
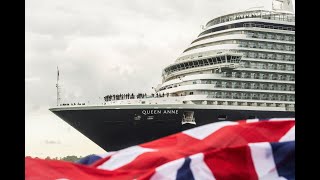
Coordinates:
222	117
191	93
252	117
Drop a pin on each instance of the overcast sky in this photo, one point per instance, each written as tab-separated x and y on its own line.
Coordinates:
102	47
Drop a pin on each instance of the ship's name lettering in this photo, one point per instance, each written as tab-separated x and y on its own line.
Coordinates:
147	112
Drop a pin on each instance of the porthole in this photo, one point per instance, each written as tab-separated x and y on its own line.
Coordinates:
222	117
252	117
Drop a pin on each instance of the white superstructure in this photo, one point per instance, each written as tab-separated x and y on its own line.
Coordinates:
243	60
240	59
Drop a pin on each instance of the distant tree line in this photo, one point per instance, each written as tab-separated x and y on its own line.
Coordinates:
67	158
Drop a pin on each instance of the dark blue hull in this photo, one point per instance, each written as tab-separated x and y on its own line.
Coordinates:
114	129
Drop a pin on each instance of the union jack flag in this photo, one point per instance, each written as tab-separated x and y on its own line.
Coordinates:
246	149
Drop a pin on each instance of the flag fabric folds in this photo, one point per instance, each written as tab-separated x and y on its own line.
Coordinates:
246	149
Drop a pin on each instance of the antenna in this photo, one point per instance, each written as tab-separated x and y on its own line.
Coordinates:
58	87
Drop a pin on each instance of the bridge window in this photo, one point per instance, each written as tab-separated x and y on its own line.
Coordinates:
228	58
223	59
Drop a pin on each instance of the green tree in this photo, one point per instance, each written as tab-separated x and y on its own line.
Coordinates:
70	158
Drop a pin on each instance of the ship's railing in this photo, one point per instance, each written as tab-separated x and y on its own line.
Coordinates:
258	76
129	96
134	99
230	96
124	98
223	100
240	97
248	86
219	96
72	104
269	36
209	54
167	97
215	67
271	15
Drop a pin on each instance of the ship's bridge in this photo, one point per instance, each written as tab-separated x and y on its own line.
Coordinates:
219	61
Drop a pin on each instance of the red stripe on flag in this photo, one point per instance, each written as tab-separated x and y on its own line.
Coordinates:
244	133
231	163
54	169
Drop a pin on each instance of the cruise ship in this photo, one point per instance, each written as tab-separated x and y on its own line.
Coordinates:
240	66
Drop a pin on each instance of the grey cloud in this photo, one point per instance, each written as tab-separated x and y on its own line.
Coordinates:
45	43
67	18
76	37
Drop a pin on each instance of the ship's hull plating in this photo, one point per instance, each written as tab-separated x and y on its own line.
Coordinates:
114	129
